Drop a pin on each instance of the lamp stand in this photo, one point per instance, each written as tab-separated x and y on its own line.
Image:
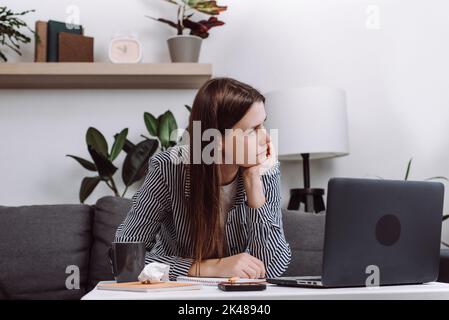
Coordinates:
311	197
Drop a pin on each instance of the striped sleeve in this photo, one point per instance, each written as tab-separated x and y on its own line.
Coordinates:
149	205
266	239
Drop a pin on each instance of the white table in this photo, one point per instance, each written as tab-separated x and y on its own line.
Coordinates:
433	290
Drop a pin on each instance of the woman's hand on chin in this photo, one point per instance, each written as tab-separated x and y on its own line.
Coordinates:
265	161
252	177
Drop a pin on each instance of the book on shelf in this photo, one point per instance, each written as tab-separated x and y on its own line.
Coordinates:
53	30
75	48
40	46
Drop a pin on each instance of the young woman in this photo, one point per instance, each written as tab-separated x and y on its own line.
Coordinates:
217	218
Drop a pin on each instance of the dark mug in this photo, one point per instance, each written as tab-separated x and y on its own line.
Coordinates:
127	260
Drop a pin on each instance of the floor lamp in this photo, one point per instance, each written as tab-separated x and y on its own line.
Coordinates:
311	123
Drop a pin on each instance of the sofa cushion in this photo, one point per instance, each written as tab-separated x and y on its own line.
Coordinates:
37	244
305	234
109	213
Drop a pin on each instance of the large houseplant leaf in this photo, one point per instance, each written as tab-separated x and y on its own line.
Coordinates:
118	144
206	6
151	123
96	139
85	163
136	161
105	167
201	28
87	186
166	21
167	124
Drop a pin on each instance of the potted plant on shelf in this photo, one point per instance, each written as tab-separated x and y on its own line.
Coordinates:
10	31
186	47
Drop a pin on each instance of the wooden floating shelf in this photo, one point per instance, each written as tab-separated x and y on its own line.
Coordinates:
58	75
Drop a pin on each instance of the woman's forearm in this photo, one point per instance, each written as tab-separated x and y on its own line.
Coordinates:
202	269
254	189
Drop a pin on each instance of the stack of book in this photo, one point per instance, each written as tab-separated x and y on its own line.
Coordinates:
62	42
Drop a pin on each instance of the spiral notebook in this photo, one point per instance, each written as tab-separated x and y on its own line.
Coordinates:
215	281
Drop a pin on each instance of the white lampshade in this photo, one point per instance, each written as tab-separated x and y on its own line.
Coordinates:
309	120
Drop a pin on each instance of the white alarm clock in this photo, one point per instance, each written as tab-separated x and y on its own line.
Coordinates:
125	49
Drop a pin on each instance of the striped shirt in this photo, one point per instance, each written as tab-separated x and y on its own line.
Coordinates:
158	217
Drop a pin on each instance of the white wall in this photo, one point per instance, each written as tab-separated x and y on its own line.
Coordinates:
396	78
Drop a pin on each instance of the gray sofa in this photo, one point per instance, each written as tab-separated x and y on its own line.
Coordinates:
42	245
38	243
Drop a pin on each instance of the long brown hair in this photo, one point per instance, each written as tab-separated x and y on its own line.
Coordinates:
219	104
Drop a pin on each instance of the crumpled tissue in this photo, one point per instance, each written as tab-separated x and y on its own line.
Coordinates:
154	272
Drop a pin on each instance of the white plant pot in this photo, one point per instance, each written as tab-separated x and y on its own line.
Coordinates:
184	48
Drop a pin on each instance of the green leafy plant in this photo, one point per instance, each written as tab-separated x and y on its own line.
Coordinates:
162	128
409	166
102	162
10	31
186	9
135	165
